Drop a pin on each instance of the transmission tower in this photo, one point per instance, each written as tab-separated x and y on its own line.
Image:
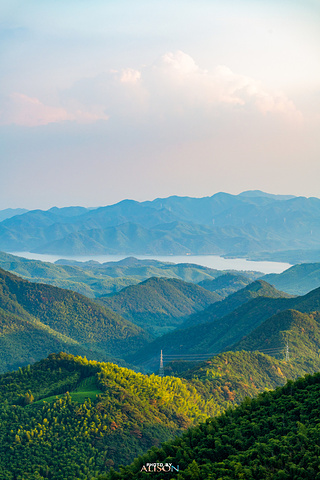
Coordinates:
161	371
287	353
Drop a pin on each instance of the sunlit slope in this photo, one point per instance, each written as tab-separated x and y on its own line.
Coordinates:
275	436
94	415
109	416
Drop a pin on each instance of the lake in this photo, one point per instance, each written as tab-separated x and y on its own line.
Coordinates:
211	261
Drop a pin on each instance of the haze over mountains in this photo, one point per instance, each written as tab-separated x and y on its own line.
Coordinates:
250	224
94	279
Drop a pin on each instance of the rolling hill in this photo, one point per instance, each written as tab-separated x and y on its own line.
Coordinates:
38	319
222	333
159	304
298	280
94	279
259	288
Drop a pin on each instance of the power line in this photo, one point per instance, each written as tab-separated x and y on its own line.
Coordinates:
198	357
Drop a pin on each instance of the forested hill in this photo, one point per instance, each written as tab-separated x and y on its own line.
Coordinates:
109	416
67	418
38	319
159	304
298	280
272	437
220	334
300	331
259	288
94	279
227	283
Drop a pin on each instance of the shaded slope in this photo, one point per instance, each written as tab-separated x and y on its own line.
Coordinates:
159	304
298	280
220	334
68	314
24	339
259	288
300	331
227	284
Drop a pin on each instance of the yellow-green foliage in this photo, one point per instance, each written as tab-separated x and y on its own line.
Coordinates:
273	437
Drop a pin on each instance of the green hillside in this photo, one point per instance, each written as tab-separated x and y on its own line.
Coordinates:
273	437
159	304
37	319
94	279
67	418
300	331
24	339
298	280
222	333
226	284
109	416
259	288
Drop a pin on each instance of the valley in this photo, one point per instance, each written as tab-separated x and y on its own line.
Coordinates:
80	356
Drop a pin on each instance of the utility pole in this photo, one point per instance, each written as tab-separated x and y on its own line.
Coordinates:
161	371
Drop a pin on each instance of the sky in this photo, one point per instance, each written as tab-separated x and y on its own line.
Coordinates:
102	100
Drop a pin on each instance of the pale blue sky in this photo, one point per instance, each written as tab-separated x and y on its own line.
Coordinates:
105	100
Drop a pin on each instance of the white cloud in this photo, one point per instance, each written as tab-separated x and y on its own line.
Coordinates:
129	75
171	88
177	76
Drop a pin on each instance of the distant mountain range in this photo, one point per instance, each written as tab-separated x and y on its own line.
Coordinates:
252	223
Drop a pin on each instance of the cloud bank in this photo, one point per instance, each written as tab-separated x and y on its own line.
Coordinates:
173	87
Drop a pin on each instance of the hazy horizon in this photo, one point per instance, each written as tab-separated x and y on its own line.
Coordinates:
145	200
104	101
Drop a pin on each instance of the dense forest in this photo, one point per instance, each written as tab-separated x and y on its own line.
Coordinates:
160	304
272	437
68	418
38	319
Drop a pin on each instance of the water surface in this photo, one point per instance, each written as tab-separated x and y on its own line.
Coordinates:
211	261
